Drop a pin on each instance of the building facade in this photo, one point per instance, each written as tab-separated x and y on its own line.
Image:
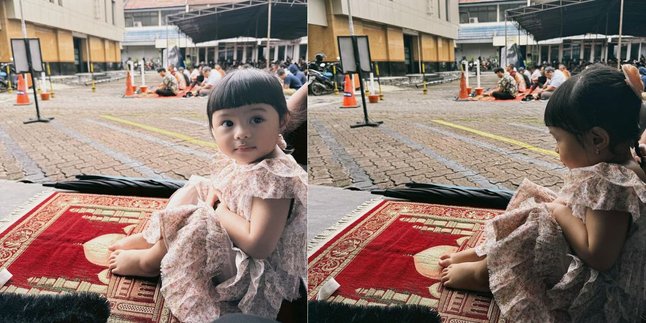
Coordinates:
484	32
402	34
73	33
148	35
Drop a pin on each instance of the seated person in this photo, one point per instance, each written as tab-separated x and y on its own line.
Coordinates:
554	79
296	72
564	70
537	79
507	88
520	82
210	79
168	86
181	83
290	82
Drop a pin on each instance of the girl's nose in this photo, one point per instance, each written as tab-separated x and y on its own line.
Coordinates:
242	133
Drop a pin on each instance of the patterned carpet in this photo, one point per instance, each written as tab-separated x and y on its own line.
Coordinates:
389	256
61	246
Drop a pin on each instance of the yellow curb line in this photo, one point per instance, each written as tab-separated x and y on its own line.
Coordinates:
499	138
162	131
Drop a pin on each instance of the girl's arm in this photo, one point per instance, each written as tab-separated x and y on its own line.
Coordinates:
259	236
599	241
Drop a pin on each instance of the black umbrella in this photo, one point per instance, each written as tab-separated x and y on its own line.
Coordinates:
449	195
116	185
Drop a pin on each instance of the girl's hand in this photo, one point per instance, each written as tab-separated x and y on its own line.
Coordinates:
221	210
213	196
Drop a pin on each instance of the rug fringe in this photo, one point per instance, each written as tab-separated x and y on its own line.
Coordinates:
21	210
320	239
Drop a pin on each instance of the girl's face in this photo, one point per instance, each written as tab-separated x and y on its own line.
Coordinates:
247	133
573	154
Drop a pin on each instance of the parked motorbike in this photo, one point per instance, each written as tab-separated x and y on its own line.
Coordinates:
321	80
4	78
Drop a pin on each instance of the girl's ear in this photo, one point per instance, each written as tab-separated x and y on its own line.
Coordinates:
283	123
600	138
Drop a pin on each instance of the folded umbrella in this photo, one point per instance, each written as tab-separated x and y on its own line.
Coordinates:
449	195
117	185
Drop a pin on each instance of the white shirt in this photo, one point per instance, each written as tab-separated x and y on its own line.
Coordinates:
535	75
557	79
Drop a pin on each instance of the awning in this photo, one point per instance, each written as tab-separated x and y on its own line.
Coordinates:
244	19
577	17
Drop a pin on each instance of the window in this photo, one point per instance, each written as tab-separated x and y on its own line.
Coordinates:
141	19
482	13
504	7
448	12
113	11
438	10
167	13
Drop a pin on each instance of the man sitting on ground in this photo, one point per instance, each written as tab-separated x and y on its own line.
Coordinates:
506	86
210	79
290	82
554	79
563	69
168	86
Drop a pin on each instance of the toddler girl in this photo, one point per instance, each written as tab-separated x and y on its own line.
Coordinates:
247	255
579	255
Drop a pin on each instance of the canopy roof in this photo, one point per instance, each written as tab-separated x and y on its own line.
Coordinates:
577	17
244	19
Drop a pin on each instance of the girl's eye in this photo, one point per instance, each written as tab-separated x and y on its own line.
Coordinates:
227	123
257	120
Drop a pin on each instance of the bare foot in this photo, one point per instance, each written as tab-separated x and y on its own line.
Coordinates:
467	255
132	263
135	241
467	275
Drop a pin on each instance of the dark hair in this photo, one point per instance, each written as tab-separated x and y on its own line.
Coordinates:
161	69
244	87
498	69
598	97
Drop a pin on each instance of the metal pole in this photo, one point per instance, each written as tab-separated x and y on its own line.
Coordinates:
268	32
505	58
22	19
621	21
350	19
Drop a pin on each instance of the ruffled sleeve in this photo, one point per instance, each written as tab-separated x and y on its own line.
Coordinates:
605	187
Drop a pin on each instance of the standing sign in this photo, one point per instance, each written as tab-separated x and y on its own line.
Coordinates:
28	59
20	55
355	58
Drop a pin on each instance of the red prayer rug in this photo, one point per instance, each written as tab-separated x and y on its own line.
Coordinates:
61	246
389	256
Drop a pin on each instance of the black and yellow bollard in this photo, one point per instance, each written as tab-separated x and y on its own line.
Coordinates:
424	79
381	95
336	88
92	72
51	87
9	89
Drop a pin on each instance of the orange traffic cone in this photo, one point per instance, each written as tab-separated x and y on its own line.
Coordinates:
129	91
349	101
464	93
21	91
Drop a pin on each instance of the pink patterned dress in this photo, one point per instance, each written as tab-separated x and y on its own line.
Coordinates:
203	274
536	277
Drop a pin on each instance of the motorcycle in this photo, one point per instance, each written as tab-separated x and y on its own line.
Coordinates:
4	78
321	80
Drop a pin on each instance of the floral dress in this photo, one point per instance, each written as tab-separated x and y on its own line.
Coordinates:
203	274
536	277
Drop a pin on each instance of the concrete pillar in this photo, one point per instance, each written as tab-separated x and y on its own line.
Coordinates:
549	54
244	53
216	54
582	55
206	55
592	48
276	53
297	52
255	53
540	55
235	51
628	47
560	59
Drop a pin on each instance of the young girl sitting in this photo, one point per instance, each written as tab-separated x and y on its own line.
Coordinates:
248	255
579	255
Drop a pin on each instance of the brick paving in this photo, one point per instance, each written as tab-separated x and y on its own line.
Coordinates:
416	144
103	133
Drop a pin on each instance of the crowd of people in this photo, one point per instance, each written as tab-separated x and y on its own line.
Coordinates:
200	79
